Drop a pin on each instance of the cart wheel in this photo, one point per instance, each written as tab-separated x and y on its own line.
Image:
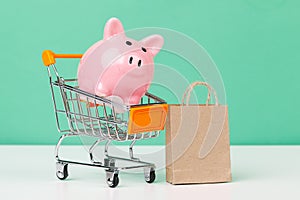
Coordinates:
150	177
62	171
113	182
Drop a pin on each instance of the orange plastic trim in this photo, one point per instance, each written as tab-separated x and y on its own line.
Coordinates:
147	118
49	57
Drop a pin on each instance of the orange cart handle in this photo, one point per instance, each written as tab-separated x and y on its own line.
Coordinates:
49	57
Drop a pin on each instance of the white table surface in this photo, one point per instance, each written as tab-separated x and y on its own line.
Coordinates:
259	172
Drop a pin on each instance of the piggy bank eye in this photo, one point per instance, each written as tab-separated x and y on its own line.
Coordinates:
128	43
143	49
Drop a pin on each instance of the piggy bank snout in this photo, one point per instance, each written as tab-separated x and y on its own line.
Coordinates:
135	60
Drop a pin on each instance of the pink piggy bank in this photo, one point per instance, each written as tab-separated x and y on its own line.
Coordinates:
118	65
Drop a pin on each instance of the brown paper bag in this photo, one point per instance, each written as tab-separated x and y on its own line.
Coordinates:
197	139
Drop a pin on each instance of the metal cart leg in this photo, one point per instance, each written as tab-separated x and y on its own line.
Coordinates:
106	148
109	161
131	151
59	143
92	148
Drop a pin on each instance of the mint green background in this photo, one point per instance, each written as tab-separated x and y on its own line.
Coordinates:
254	43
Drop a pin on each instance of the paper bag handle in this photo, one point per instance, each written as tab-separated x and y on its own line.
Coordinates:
187	93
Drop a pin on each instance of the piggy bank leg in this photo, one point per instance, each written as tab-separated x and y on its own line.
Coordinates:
134	100
103	90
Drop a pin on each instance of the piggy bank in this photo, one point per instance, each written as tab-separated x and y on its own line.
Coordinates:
119	66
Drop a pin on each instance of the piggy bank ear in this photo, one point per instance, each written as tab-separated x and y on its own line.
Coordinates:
153	43
112	27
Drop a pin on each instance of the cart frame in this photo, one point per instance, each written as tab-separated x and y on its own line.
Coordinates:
98	117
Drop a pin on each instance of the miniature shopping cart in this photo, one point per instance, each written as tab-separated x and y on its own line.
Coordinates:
100	118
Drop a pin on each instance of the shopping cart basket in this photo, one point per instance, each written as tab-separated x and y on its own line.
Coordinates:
98	117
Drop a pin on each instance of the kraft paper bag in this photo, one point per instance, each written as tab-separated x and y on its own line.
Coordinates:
197	139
